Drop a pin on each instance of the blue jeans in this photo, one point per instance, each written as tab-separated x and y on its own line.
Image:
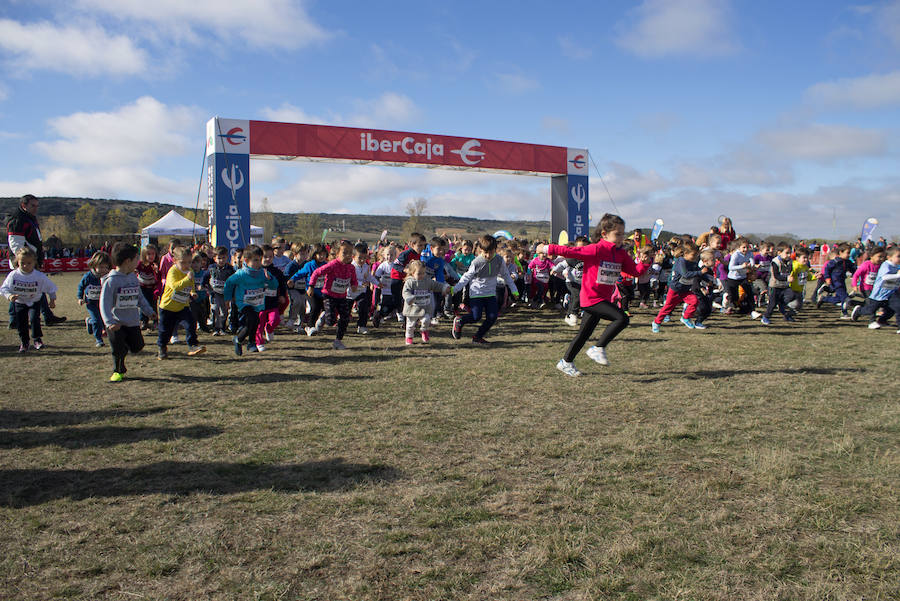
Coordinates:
838	295
95	320
479	305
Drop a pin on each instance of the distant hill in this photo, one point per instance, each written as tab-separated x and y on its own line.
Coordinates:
60	216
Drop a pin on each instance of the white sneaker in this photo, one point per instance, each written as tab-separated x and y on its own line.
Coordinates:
571	320
310	331
362	330
260	347
173	339
598	354
755	314
338	345
435	321
874	325
567	368
399	317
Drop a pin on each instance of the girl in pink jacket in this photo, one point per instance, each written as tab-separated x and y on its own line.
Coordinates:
604	261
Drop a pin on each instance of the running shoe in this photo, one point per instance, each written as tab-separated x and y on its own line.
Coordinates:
338	345
567	368
598	354
654	327
688	322
456	331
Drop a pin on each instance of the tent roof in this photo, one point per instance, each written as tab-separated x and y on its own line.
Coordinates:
173	224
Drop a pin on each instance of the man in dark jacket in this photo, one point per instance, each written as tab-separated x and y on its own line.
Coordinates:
23	231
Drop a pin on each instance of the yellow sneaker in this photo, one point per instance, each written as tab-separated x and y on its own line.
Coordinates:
116	377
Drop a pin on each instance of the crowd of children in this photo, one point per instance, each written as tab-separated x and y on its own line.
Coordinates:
248	293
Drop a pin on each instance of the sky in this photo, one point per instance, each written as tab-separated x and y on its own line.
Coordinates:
782	115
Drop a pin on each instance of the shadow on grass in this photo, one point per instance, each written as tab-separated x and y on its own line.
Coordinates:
11	418
264	378
35	486
728	373
108	436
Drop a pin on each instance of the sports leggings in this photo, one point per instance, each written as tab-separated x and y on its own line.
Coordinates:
592	316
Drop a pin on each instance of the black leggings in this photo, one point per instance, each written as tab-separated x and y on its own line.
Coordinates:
592	316
122	341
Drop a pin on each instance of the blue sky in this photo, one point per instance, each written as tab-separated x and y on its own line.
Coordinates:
779	114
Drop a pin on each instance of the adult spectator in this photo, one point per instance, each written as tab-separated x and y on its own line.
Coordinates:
22	231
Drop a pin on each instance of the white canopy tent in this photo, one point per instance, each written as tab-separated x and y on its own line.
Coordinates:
173	224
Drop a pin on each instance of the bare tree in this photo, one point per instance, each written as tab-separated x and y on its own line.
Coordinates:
415	211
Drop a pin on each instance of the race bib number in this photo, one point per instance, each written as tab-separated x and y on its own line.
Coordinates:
92	293
386	281
24	288
801	277
254	297
608	273
870	278
271	293
319	282
577	274
423	298
890	284
542	275
127	298
340	285
218	286
181	296
146	279
764	265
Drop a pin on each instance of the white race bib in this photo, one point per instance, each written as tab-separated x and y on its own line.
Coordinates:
181	296
340	285
319	282
271	293
423	298
146	279
218	286
542	275
608	273
127	298
890	284
254	297
92	293
870	278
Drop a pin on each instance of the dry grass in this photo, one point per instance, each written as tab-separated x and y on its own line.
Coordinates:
738	463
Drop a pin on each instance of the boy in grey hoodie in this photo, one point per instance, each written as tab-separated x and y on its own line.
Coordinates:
121	306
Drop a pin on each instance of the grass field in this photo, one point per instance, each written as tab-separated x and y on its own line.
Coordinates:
737	463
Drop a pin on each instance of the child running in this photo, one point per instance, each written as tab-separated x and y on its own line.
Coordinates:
88	294
779	290
418	299
338	276
481	278
174	304
884	292
24	287
604	261
246	289
685	275
121	305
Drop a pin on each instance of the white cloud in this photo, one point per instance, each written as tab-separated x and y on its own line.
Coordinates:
870	91
515	83
572	50
262	24
888	19
81	49
135	134
388	110
128	182
679	27
288	113
820	142
557	124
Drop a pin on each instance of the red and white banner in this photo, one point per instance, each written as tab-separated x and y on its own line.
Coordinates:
294	140
56	265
